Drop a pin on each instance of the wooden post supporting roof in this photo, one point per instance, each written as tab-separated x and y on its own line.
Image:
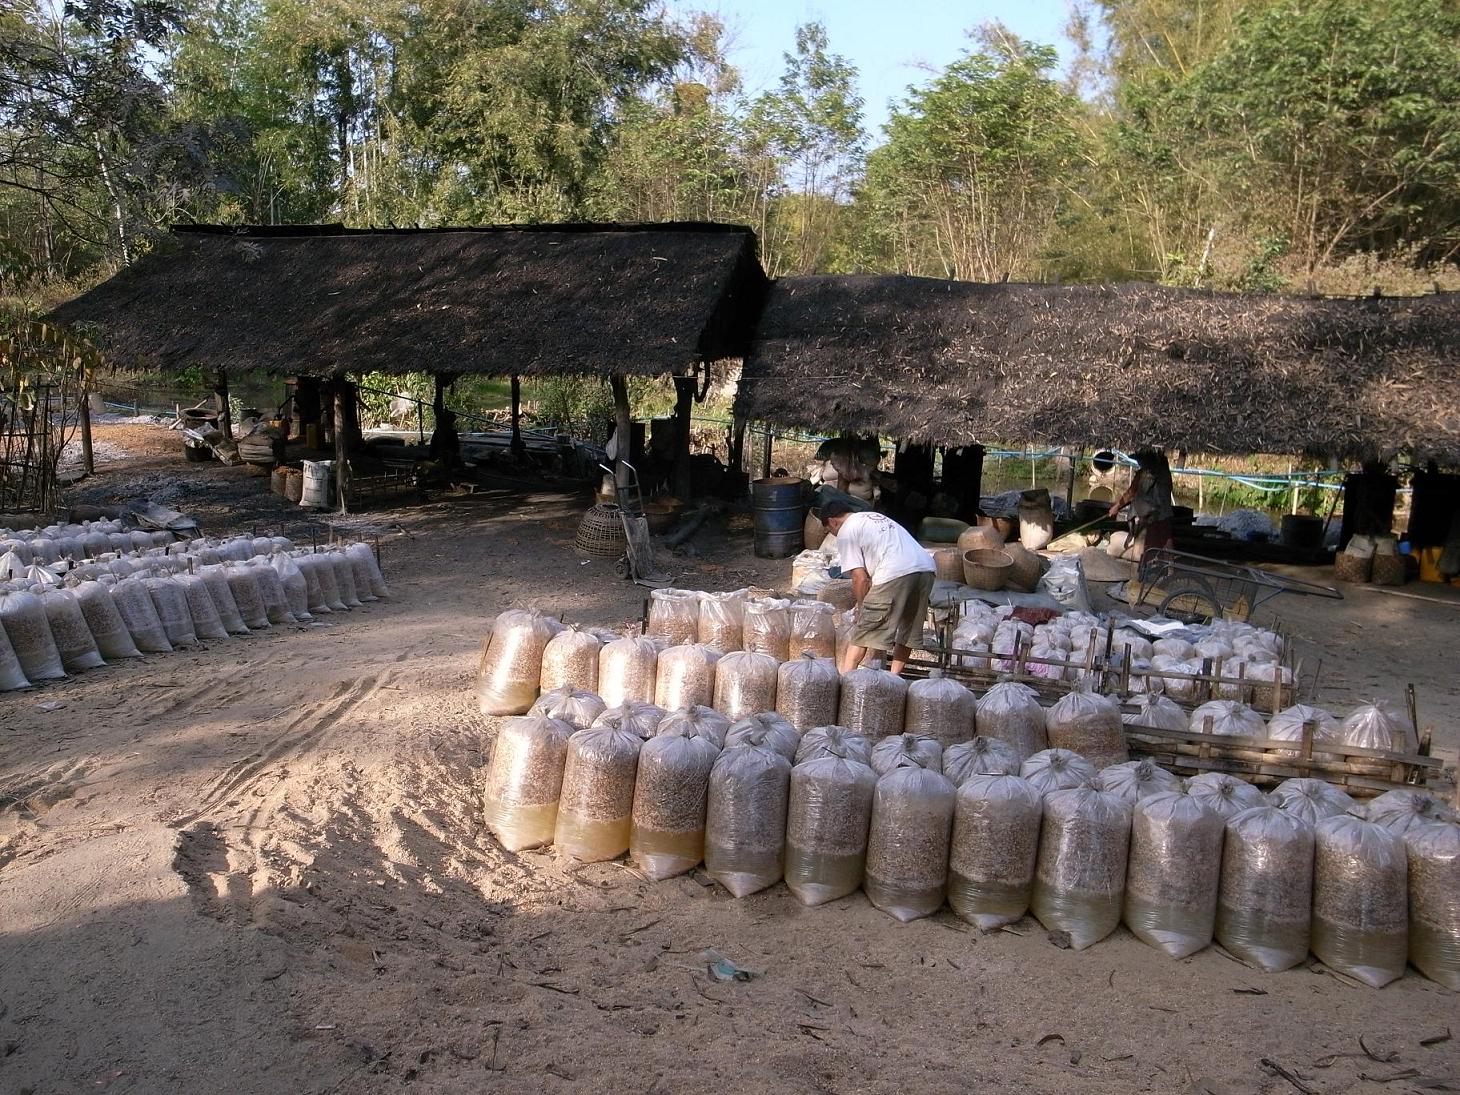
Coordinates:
622	425
225	416
684	399
519	449
342	446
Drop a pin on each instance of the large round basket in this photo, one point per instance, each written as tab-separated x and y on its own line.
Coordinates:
980	536
293	484
601	532
949	563
986	568
1027	567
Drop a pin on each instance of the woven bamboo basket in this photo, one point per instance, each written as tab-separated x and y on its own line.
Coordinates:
276	481
1026	567
293	484
949	563
1388	570
1352	568
986	568
601	532
980	536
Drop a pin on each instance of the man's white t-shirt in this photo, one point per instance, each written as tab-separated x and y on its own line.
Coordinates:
881	546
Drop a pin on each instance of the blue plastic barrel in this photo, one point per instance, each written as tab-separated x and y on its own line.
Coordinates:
780	517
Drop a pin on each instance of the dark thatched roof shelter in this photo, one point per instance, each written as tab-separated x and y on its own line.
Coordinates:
955	363
586	300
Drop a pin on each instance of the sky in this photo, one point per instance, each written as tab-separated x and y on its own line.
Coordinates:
892	43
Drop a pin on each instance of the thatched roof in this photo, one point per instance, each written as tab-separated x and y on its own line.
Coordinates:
531	300
955	363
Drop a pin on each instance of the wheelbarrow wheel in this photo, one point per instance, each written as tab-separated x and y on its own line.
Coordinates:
1192	605
621	568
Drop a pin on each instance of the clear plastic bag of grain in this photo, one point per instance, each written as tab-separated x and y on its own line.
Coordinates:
243	583
1154	710
296	586
745	821
907	844
872	702
996	820
830	809
1134	780
640	719
344	579
1360	899
808	691
276	599
1401	811
667	836
768	627
570	660
813	629
1012	712
107	627
308	565
940	709
1311	799
1171	879
1376	726
595	812
329	583
722	620
1288	725
1227	718
745	684
1089	724
23	617
73	638
627	669
979	756
1224	794
510	668
525	780
577	709
833	741
845	621
1079	877
138	612
767	730
368	566
685	676
216	579
906	750
1265	888
1434	901
207	623
700	721
674	616
171	601
1058	770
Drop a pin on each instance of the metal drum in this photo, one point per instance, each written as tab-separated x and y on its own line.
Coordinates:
779	517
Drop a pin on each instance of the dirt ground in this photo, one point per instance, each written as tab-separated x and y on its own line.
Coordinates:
260	867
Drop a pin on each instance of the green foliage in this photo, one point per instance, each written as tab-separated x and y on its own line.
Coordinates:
978	165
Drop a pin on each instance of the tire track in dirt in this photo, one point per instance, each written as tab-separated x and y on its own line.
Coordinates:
306	731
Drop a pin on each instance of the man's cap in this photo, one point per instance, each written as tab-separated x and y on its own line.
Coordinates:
834	508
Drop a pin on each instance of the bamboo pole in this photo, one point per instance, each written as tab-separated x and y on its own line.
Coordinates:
622	426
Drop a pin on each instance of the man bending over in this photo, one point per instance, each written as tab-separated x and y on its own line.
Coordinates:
892	577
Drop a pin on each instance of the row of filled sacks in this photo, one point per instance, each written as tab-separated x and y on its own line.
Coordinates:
740	620
1373	725
52	627
52	543
528	652
1270	878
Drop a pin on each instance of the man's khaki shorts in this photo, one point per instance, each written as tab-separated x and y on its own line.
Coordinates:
892	613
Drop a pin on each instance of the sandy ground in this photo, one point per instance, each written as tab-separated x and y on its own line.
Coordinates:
260	867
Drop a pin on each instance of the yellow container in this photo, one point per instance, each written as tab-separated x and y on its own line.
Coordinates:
1429	565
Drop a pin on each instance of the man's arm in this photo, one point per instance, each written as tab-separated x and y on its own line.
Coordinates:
861	583
1126	498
